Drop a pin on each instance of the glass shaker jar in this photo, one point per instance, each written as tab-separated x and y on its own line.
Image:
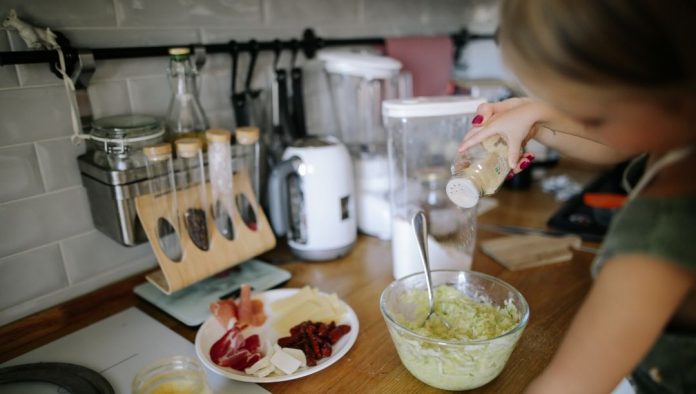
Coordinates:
193	202
160	174
221	185
480	171
424	134
177	374
246	159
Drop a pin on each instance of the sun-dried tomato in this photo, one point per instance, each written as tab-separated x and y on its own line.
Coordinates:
315	340
338	332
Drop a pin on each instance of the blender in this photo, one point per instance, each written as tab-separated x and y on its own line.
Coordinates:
358	83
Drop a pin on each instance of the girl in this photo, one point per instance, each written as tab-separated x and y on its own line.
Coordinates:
612	80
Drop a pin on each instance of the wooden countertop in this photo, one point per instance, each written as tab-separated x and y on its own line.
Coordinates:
554	294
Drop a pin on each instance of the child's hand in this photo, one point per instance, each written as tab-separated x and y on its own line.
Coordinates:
514	120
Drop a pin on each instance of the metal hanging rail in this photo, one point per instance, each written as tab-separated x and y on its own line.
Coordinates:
309	44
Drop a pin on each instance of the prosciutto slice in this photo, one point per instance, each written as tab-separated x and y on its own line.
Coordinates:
243	312
236	352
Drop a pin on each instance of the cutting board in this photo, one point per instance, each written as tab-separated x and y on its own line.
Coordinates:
118	347
517	252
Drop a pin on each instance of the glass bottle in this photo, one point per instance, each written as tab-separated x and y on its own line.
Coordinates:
193	200
478	172
220	174
160	174
185	116
177	374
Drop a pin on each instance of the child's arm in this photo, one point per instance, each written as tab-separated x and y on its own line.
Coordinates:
521	119
623	315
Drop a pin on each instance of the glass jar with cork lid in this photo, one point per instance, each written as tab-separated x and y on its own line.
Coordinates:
193	201
160	174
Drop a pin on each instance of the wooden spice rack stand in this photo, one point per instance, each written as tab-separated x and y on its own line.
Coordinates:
222	253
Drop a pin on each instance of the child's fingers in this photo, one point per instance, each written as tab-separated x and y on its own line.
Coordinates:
486	110
524	162
473	137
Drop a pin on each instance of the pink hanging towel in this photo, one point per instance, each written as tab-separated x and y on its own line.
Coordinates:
428	59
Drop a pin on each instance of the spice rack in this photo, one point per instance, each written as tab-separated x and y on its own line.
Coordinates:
250	238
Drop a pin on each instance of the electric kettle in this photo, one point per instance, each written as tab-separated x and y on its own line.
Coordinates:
312	198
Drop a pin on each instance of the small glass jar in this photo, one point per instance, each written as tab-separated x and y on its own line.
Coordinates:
160	174
479	171
193	202
177	374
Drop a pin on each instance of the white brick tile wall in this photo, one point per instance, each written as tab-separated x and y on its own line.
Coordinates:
57	159
36	221
49	249
120	38
150	95
148	13
31	274
311	12
91	254
109	97
8	74
19	172
33	114
64	13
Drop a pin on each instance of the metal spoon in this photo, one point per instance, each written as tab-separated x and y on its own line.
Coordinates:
420	228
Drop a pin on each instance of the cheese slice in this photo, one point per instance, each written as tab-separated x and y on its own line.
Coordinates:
285	362
305	294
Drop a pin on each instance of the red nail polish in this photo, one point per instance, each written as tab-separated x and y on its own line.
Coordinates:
524	165
530	156
510	175
478	119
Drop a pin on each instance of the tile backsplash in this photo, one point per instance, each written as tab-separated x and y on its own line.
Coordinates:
49	249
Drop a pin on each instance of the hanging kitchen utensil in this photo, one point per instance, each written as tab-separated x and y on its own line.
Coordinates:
256	99
282	125
241	115
253	54
298	111
274	139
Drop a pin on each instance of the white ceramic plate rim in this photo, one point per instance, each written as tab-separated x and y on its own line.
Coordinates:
339	349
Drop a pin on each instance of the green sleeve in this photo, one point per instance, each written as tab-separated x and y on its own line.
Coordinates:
660	227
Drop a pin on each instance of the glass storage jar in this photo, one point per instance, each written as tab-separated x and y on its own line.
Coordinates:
118	141
424	134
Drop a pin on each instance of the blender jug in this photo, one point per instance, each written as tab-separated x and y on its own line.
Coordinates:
358	84
424	134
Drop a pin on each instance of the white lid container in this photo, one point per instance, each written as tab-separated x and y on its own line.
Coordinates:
360	64
420	107
424	134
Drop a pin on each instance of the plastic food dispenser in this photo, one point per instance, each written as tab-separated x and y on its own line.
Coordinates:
358	84
424	134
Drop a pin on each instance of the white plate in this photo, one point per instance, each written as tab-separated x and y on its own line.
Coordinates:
212	330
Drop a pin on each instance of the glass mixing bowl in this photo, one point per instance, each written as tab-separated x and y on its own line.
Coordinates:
451	364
